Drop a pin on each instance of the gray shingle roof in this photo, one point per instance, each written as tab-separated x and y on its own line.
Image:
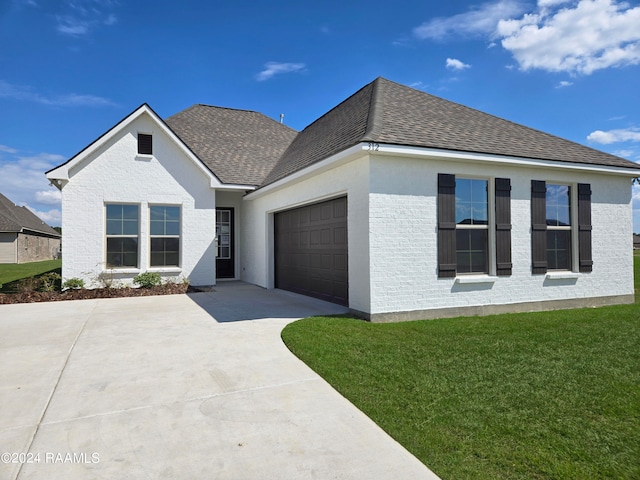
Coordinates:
390	113
238	146
16	219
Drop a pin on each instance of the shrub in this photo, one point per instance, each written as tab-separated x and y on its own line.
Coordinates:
49	282
147	279
73	283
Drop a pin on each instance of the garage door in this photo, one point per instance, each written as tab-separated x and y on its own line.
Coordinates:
311	250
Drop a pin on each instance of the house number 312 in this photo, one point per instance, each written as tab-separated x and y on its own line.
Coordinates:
373	147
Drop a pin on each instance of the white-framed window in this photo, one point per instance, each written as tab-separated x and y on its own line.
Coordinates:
472	226
122	235
559	227
164	235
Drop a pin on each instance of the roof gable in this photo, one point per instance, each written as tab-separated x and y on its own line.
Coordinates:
60	174
239	146
16	219
389	113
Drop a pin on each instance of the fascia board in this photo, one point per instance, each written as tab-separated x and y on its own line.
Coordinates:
383	149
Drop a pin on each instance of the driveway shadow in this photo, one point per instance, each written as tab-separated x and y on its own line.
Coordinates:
238	301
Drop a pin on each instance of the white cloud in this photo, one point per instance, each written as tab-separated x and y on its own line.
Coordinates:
24	182
455	64
480	20
72	26
79	17
19	92
275	68
632	155
49	197
4	148
50	217
551	3
564	84
573	36
615	136
418	85
587	36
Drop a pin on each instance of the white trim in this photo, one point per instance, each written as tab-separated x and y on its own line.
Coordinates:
561	275
331	162
165	269
234	187
116	270
62	172
304	203
501	159
384	149
462	279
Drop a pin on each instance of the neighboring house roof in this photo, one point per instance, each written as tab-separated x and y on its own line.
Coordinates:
15	219
389	113
238	146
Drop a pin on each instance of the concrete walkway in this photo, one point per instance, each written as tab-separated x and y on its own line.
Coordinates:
178	387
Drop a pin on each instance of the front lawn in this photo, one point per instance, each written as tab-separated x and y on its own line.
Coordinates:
527	396
10	272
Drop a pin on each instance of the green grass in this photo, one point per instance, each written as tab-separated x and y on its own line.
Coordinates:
10	272
519	396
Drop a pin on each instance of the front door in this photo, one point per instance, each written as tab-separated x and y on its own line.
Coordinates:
225	258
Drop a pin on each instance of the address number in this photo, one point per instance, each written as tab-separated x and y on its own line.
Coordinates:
373	147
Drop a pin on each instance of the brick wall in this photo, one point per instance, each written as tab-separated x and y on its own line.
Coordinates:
115	173
34	248
403	248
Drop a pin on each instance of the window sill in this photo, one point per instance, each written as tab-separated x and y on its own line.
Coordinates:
471	279
143	157
562	275
121	270
165	269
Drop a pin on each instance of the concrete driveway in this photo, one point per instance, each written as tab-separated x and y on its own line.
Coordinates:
178	387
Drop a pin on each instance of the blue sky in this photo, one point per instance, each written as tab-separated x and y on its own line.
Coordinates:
71	69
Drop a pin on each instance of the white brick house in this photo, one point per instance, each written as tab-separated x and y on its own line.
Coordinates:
396	203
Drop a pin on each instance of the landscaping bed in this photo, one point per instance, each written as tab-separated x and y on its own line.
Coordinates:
85	293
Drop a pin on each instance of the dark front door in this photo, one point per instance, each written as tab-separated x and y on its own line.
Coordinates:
311	250
225	256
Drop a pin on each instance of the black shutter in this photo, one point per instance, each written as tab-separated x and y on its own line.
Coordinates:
503	226
145	144
446	225
584	227
539	226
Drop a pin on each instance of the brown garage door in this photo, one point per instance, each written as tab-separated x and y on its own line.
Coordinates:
311	250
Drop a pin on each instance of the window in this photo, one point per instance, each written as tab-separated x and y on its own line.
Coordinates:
145	144
223	233
472	226
164	232
558	208
122	236
553	231
473	237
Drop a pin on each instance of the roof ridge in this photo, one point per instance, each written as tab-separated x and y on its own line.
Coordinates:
374	119
230	109
222	108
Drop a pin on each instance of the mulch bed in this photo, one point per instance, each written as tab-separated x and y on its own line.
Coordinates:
84	294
